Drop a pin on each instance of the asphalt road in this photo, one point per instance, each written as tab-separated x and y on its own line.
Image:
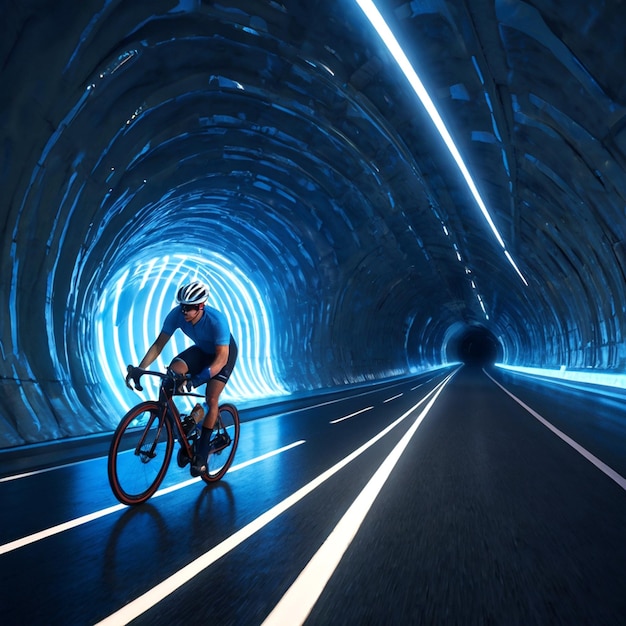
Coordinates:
487	498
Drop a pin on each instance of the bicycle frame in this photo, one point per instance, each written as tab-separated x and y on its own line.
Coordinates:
166	400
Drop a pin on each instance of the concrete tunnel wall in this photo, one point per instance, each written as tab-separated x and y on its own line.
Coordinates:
156	142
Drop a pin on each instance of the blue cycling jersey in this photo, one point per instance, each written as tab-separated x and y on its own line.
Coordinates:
210	331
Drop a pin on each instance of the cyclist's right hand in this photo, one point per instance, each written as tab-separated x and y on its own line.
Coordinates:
134	375
186	384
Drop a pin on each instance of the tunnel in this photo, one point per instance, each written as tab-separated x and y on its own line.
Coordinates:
281	153
412	216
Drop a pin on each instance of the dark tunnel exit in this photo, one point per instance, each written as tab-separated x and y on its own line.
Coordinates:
476	346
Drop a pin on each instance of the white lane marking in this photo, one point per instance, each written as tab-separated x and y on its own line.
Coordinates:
6	479
295	606
346	417
84	519
399	395
603	467
427	381
357	395
153	596
59	528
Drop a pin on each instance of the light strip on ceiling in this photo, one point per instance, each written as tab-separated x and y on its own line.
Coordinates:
377	21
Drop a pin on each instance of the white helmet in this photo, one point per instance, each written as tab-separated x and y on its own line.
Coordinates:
193	293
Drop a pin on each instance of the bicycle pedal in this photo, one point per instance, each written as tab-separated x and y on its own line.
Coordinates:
220	443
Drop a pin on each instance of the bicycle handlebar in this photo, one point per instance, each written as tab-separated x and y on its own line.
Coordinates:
135	374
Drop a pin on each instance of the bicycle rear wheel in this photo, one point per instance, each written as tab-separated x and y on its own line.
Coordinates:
225	439
140	453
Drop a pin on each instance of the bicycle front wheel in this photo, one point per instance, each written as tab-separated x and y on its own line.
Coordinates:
224	441
140	453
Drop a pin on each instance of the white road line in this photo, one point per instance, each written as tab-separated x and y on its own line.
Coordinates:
295	606
399	395
140	605
6	479
603	467
356	395
335	401
84	519
346	417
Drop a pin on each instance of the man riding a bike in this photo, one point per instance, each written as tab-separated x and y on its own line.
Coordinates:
210	360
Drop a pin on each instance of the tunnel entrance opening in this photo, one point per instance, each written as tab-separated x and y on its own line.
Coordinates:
478	347
133	305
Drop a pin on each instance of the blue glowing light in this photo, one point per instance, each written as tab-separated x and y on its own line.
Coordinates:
383	30
133	306
605	379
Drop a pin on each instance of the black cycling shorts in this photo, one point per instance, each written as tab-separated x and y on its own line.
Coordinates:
196	360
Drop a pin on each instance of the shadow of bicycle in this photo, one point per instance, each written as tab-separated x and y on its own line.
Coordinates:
136	538
215	498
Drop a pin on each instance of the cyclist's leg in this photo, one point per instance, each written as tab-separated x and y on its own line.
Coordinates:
190	361
216	385
214	389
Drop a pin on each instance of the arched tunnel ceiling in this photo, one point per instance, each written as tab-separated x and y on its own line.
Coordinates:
283	137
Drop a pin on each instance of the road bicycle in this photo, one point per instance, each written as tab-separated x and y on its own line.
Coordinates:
143	442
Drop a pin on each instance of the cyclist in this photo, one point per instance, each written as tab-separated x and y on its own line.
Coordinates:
210	360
